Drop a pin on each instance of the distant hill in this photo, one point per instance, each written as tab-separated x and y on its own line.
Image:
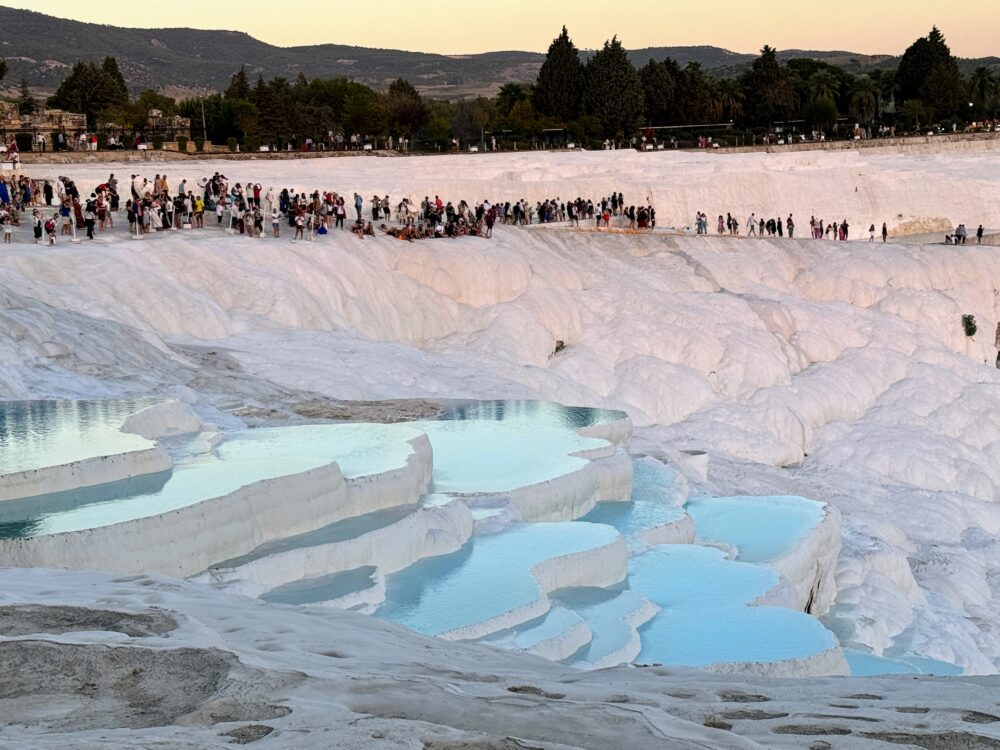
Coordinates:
188	61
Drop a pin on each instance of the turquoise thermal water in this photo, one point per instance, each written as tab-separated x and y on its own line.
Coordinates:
607	614
760	528
864	664
488	577
246	457
654	486
526	636
483	456
39	434
704	618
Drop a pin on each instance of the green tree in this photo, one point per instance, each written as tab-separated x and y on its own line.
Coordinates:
87	89
823	84
239	86
613	92
930	73
770	95
695	97
730	96
559	88
821	114
983	88
885	89
913	114
3	69
117	80
407	113
437	131
511	94
944	92
26	103
659	91
864	98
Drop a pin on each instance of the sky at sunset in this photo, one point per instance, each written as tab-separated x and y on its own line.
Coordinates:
865	26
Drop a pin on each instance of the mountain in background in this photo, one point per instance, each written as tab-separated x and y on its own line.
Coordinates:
182	62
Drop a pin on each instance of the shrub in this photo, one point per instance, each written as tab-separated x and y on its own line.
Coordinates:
199	144
232	143
969	324
157	142
251	143
182	144
102	141
24	141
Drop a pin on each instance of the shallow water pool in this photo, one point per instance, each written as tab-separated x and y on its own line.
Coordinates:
705	618
490	576
760	528
38	434
246	457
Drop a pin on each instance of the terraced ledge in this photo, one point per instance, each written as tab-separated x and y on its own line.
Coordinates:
605	478
189	540
563	645
424	533
809	567
681	531
599	567
825	663
87	472
617	432
633	620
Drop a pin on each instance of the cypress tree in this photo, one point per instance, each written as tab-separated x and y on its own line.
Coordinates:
26	103
613	92
116	80
560	81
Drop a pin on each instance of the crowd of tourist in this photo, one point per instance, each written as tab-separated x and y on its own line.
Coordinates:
245	208
56	208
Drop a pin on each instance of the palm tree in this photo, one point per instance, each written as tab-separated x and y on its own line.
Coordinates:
823	84
864	98
730	96
983	86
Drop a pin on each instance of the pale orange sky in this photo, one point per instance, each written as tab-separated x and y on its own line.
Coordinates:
865	26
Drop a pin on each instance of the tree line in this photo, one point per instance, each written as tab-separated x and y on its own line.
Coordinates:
585	101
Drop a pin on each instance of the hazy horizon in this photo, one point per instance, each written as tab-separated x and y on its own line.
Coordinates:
443	27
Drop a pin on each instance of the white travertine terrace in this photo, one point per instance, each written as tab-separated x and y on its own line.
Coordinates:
189	540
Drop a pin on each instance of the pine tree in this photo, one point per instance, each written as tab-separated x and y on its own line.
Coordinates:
117	80
239	86
613	92
87	89
26	103
559	88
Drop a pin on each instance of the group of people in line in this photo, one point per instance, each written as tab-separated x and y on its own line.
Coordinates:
961	235
755	227
245	209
